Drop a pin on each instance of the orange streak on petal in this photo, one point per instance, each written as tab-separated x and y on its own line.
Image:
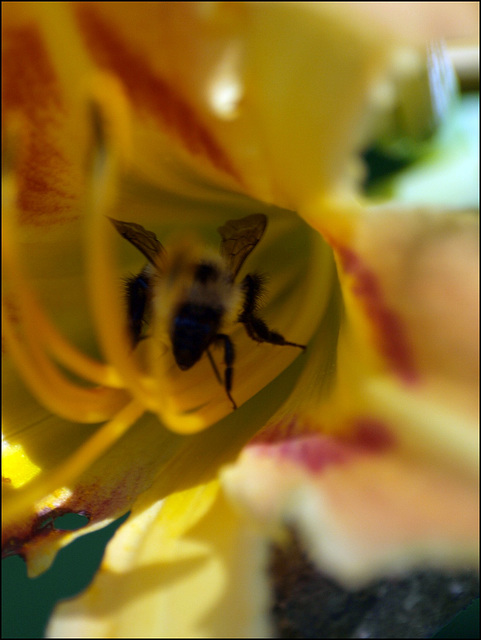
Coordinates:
148	91
29	81
31	88
388	327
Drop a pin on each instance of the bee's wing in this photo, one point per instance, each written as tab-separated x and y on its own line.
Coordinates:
145	241
239	237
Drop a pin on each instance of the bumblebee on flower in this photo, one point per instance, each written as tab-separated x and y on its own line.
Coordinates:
101	417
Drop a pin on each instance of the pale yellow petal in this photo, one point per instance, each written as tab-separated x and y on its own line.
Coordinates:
187	567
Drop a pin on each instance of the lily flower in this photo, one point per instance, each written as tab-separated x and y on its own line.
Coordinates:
180	117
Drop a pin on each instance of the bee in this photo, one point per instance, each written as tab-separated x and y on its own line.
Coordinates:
198	296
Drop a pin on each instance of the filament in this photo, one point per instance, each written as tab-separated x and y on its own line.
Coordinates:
46	381
109	315
52	389
103	285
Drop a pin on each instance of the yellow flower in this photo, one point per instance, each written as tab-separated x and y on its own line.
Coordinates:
181	117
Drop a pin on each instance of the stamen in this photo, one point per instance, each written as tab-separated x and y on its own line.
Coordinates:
102	283
68	355
47	334
109	316
73	467
54	390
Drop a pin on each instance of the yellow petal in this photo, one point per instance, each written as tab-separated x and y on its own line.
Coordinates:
55	467
89	474
227	80
187	567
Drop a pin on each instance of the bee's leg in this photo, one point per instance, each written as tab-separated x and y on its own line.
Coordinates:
256	327
214	366
229	357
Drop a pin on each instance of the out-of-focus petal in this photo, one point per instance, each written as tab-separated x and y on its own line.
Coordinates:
378	467
410	281
362	510
244	88
424	20
187	567
37	88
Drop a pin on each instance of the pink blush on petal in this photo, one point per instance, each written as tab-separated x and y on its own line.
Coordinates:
315	452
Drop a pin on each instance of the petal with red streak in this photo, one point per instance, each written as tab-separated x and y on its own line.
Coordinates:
363	506
379	469
38	90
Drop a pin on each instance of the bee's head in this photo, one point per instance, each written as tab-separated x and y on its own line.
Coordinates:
194	327
186	357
